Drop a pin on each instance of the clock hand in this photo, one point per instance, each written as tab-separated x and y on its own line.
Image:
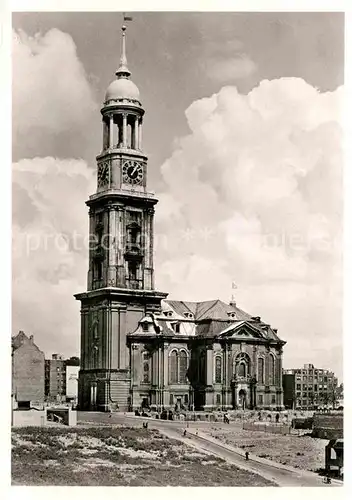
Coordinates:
134	169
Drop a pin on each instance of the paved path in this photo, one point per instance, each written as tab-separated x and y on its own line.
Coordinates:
278	473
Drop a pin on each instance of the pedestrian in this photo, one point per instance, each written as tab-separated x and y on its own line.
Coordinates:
184	432
277	418
247	455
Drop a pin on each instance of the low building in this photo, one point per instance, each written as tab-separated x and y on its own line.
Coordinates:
27	372
61	378
72	383
309	388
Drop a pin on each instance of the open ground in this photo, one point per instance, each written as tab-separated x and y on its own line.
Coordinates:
119	456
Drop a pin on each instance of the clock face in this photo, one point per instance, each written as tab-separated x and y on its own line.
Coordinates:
103	174
132	172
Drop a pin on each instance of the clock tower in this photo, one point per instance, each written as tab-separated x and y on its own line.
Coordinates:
120	288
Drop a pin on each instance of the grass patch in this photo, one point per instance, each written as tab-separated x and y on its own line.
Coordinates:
116	456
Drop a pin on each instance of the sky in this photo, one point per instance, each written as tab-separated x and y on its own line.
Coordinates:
244	139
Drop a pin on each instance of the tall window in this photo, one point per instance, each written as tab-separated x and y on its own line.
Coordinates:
183	367
218	399
260	371
146	368
218	374
202	366
173	367
242	369
271	369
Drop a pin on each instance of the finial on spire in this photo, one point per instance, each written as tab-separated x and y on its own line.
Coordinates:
123	71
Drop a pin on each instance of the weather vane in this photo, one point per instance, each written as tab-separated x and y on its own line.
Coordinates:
126	18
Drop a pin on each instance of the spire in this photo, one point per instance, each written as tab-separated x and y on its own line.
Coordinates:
123	71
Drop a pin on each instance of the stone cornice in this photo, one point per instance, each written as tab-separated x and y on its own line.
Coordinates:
116	293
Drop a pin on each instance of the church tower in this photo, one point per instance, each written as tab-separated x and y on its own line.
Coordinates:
120	288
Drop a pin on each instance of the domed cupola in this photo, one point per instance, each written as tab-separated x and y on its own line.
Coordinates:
122	89
122	110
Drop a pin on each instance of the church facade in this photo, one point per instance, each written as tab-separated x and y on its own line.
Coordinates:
137	348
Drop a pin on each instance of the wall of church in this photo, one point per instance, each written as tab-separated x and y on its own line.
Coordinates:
217	384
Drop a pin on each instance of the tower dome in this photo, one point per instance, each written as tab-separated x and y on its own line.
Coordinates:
122	88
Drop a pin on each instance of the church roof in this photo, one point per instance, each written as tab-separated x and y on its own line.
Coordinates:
216	318
209	309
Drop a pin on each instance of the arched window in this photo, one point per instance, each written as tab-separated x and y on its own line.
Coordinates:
173	367
241	369
271	369
218	371
260	371
146	368
183	361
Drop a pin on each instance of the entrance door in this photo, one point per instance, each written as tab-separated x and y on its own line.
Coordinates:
93	395
242	399
145	403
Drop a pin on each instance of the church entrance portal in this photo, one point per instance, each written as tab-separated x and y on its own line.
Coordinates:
242	399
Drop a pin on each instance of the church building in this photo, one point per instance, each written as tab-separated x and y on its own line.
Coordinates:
137	348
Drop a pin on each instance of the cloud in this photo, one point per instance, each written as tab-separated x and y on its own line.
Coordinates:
50	249
230	69
253	194
51	91
53	104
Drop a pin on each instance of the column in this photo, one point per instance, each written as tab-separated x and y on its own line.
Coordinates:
124	130
148	248
210	362
135	133
119	245
105	134
140	134
111	132
280	401
166	395
91	233
111	280
255	362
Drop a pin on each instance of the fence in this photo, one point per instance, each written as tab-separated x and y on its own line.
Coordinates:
272	428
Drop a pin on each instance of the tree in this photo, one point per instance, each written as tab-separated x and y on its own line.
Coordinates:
72	361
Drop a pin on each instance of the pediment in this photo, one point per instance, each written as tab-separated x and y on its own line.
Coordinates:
242	330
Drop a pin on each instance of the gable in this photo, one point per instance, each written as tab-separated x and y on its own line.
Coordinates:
242	330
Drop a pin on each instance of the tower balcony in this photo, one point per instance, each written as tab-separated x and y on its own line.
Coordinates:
135	284
98	253
134	250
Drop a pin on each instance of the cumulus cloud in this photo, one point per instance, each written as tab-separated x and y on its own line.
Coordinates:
253	194
52	104
50	248
51	90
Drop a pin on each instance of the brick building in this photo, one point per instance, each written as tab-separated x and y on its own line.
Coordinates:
27	372
309	387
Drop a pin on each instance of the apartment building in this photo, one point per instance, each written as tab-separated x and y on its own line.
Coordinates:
309	387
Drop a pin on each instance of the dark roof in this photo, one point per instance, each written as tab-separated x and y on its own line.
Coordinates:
209	309
212	317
